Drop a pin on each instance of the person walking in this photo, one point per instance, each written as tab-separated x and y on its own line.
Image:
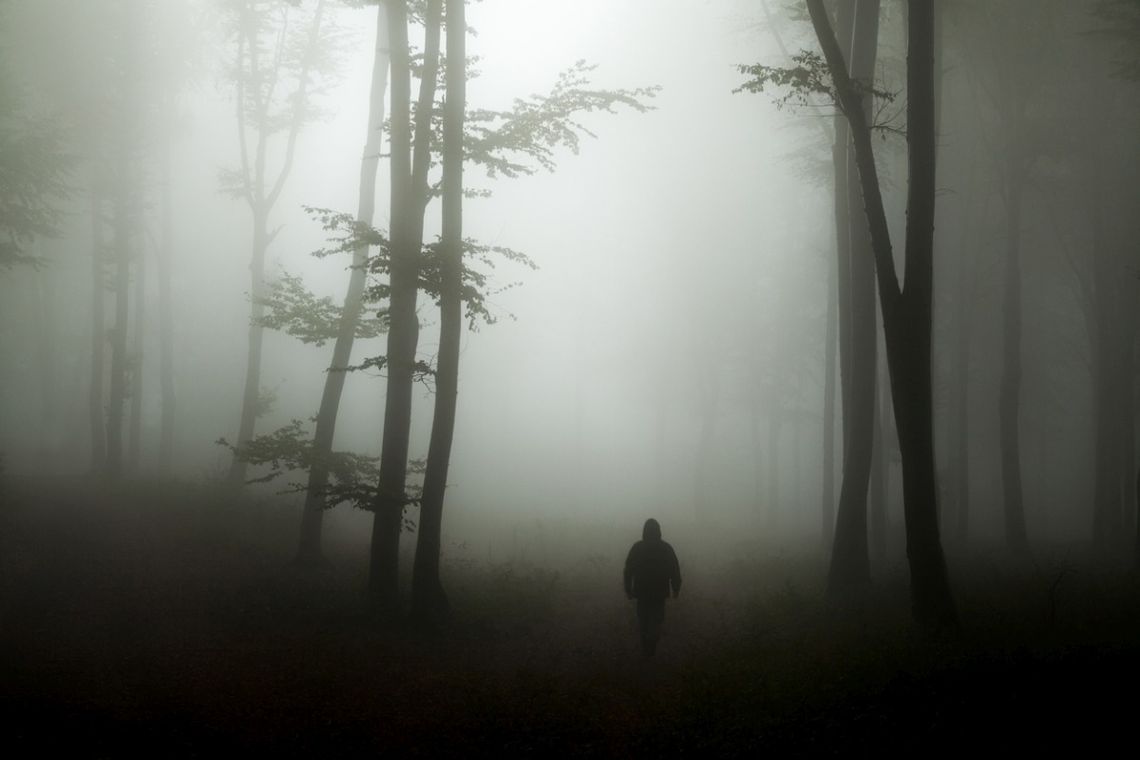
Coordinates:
651	573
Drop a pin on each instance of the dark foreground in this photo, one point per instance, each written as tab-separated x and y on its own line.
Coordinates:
168	621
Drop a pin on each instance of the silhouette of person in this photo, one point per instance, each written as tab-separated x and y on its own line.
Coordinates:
651	571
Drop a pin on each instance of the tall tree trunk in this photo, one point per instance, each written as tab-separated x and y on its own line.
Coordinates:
429	602
166	318
255	338
134	441
829	378
962	401
775	422
850	563
1009	404
1107	506
262	196
878	497
906	313
309	549
845	23
115	407
47	348
96	410
409	198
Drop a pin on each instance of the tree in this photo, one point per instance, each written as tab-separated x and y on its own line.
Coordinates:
409	197
309	547
270	55
428	598
850	562
906	308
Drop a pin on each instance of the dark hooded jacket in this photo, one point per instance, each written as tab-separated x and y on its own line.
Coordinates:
651	569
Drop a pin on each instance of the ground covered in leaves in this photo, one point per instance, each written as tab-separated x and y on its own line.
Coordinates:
168	620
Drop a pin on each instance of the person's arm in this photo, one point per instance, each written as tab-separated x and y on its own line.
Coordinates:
674	572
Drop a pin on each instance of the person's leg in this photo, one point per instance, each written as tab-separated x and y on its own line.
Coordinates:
650	614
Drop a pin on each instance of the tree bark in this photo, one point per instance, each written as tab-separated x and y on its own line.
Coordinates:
134	442
118	389
409	198
906	313
166	319
429	602
829	382
96	410
850	563
1009	404
262	197
312	516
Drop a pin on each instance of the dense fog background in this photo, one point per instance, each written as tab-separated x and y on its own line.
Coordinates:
666	358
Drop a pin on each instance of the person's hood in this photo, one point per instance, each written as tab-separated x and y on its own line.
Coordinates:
651	531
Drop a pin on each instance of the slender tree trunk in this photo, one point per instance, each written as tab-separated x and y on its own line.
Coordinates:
1107	505
878	507
429	602
262	197
774	424
47	350
906	313
850	562
166	320
1009	405
96	410
134	442
409	197
115	410
309	549
829	378
256	336
962	401
702	480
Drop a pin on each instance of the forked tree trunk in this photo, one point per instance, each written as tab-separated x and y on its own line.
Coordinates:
906	312
312	517
262	195
850	563
429	602
409	199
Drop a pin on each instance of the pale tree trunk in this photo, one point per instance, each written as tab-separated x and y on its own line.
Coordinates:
702	487
134	441
906	312
829	378
96	410
166	319
429	602
309	549
1107	506
879	480
775	422
48	341
850	562
409	199
1009	402
118	390
262	197
962	401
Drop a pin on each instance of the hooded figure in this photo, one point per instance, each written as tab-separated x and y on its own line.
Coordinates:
651	572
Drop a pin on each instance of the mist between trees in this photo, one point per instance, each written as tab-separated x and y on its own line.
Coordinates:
849	280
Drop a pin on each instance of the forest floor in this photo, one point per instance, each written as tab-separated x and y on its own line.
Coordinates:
168	620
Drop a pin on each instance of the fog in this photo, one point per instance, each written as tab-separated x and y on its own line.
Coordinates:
669	354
